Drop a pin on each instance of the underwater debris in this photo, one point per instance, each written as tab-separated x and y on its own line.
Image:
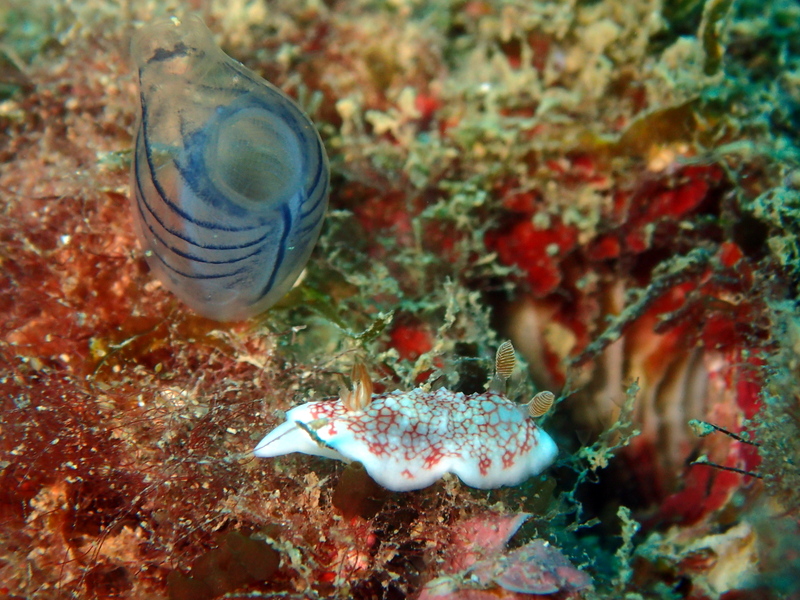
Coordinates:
536	568
408	440
716	563
480	537
479	569
238	561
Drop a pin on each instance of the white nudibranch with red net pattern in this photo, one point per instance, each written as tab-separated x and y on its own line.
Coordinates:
409	440
230	178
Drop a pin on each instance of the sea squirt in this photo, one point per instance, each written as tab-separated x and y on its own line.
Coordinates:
229	177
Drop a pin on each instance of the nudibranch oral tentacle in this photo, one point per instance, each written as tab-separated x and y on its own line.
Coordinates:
408	440
229	178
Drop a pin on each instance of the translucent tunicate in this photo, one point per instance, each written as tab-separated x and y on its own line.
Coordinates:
229	179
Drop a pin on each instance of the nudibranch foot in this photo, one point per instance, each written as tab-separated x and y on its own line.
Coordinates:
291	437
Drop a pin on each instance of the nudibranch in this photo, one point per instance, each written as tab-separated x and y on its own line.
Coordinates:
229	178
408	440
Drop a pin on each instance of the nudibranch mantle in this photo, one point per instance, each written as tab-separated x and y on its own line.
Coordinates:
408	440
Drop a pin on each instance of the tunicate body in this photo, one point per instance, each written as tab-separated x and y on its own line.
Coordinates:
229	178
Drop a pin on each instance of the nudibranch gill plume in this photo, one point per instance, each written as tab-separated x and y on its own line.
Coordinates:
409	440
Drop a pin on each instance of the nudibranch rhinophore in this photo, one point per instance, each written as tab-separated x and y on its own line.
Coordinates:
408	440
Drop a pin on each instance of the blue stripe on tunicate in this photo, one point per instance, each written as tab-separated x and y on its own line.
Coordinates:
310	226
193	169
160	190
200	259
323	195
142	199
193	258
293	116
194	173
281	247
200	275
161	54
311	220
286	105
215	262
235	284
